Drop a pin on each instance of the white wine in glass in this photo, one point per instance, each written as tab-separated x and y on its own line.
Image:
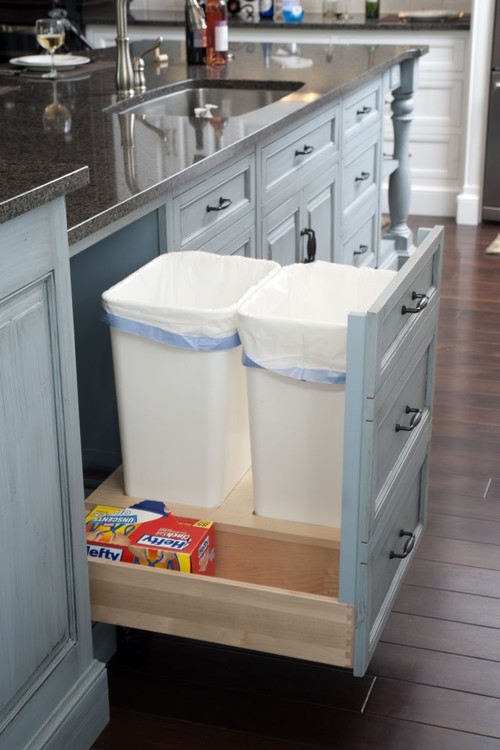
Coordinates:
50	34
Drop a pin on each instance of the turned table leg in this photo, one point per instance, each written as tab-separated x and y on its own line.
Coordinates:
399	180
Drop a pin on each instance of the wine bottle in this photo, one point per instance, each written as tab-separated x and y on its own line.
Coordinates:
196	33
217	32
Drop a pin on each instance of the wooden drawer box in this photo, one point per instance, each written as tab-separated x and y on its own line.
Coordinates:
306	591
275	589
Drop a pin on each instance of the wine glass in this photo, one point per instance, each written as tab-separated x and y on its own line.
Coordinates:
56	116
50	34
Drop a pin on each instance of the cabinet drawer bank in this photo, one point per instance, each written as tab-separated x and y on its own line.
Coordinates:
311	592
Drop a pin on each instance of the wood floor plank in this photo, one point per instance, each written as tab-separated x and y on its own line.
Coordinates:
458	578
459	552
482	508
452	671
466	425
452	383
458	483
452	709
452	454
494	488
466	529
449	605
149	732
443	635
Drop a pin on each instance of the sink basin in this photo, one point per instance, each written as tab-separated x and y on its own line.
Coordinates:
218	101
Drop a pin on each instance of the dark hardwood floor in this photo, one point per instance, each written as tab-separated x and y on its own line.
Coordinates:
434	681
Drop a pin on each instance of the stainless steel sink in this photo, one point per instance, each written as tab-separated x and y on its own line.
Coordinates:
216	101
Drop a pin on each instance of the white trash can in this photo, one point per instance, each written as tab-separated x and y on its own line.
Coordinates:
294	336
180	384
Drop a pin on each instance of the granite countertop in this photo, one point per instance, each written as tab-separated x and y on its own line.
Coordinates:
135	160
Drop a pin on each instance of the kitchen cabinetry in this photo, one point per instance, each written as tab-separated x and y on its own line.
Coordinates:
52	693
297	174
314	592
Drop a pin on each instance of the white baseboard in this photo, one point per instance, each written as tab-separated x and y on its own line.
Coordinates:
468	209
425	201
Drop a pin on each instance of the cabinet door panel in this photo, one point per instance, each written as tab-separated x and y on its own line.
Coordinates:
319	215
281	230
31	518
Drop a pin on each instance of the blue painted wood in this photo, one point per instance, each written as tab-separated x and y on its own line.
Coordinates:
48	676
381	356
399	180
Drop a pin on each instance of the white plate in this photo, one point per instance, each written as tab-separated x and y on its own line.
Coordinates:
42	62
293	61
430	15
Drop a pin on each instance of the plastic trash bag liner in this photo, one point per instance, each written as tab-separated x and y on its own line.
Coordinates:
187	299
296	322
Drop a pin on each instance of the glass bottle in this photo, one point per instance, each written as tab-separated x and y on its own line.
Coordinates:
266	9
372	9
217	32
196	33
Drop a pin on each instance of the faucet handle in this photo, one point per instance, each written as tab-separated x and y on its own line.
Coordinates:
138	65
155	49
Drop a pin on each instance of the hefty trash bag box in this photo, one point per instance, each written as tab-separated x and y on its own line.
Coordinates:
148	534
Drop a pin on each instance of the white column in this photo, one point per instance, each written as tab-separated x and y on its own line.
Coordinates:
469	200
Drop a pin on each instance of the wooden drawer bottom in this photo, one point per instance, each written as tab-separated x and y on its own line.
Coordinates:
275	588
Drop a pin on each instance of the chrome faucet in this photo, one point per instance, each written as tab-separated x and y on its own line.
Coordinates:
130	76
124	71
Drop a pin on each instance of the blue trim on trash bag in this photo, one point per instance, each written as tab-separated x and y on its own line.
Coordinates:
148	331
301	373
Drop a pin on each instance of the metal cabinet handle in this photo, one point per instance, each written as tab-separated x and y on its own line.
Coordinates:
362	250
311	245
423	301
414	421
364	110
364	176
223	204
409	544
305	152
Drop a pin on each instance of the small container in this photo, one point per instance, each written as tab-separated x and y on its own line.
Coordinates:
372	9
293	12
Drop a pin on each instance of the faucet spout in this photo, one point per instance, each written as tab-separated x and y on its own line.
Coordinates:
124	70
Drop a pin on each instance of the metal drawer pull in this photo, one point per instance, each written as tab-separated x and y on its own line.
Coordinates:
223	203
311	245
364	176
414	421
362	250
364	111
423	301
307	150
409	544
